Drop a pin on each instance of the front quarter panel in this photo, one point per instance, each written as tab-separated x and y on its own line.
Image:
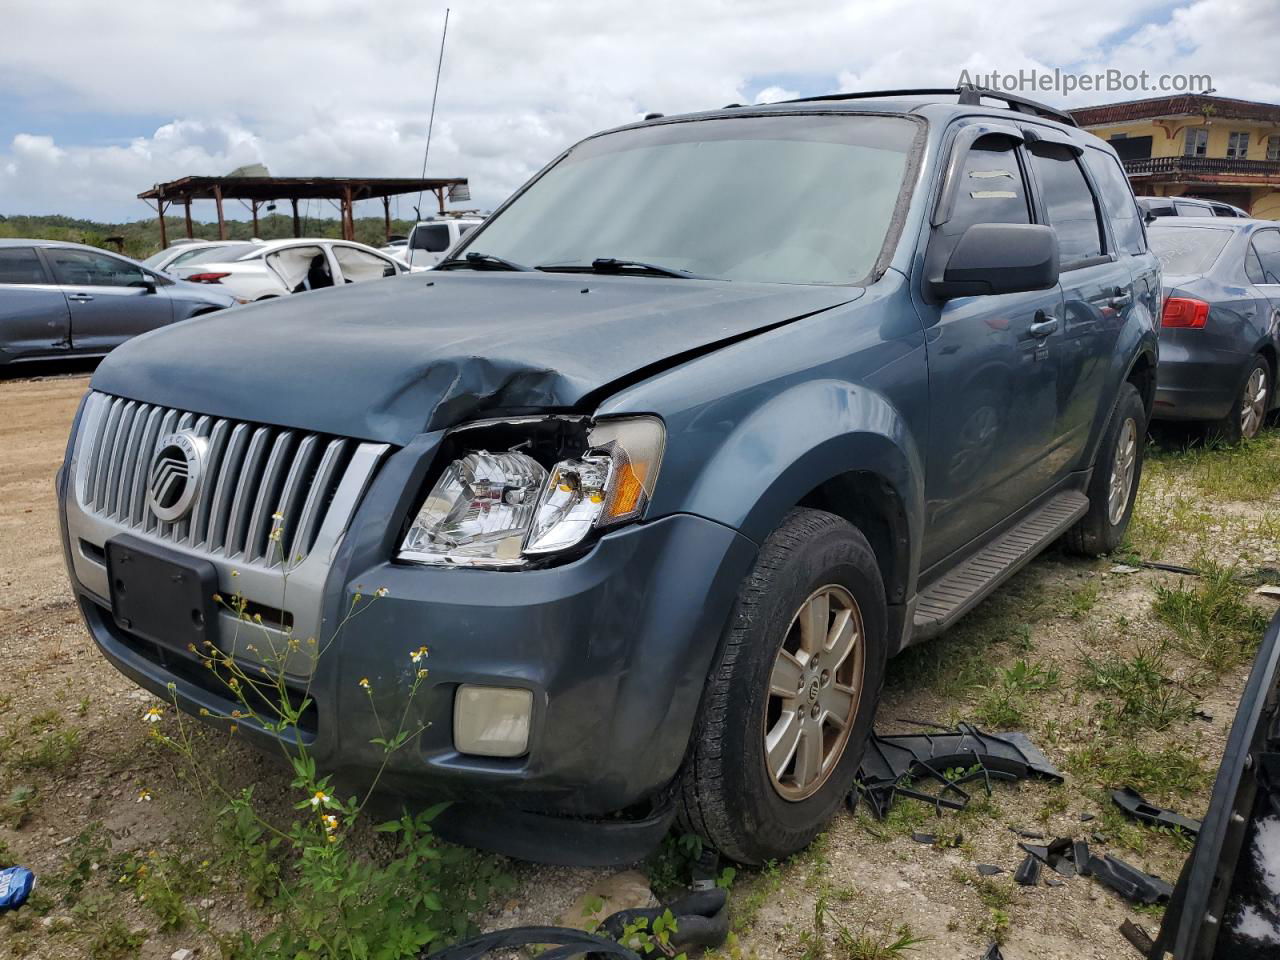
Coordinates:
754	427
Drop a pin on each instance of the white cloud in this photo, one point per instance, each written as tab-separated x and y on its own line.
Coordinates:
329	88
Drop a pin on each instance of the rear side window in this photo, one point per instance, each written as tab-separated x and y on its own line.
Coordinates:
20	265
1187	251
1117	200
1192	210
1068	202
1266	243
1253	267
433	238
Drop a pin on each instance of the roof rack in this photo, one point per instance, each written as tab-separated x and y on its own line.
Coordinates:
969	94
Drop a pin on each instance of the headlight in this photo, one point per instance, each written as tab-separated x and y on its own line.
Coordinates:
500	509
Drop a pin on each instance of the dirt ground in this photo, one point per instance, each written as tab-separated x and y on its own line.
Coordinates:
75	763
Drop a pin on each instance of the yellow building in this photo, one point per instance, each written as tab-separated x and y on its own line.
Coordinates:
1196	145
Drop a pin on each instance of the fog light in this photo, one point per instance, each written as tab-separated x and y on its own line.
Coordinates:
491	721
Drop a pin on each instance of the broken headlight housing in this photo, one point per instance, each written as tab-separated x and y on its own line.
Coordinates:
543	495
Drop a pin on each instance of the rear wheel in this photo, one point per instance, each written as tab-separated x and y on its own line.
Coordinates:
1116	474
792	694
1250	409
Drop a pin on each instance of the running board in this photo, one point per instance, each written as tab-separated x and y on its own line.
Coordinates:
946	600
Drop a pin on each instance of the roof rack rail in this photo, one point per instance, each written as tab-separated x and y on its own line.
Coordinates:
968	93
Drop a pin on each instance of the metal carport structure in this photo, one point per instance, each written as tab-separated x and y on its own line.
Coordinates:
256	191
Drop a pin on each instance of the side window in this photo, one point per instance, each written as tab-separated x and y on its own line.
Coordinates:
1267	245
88	269
360	265
1117	200
1068	203
21	265
433	238
464	229
1192	210
991	188
1253	266
1196	142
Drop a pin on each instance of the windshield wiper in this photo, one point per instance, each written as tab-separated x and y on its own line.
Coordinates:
614	265
480	261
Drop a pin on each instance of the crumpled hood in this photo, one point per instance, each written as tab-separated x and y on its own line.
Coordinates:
389	359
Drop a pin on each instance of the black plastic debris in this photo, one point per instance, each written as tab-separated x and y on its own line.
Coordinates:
1028	872
702	923
903	765
1133	804
993	953
990	869
1080	856
928	838
1086	817
1128	881
1140	939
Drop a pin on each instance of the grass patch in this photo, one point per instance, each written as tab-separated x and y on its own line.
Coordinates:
1157	773
1136	692
1006	702
1210	619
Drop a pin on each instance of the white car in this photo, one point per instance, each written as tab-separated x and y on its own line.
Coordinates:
277	268
197	251
430	240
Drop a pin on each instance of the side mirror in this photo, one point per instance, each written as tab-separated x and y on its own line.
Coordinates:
996	258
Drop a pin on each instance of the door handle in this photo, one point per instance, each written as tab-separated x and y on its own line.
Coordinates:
1120	297
79	297
1043	325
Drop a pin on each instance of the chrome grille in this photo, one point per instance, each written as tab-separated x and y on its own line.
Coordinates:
253	474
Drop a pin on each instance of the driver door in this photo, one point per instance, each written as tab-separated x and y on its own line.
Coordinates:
111	299
992	366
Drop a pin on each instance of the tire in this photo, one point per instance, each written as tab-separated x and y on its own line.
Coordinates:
726	793
1102	529
1245	419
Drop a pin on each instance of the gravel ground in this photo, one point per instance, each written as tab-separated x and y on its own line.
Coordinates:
870	877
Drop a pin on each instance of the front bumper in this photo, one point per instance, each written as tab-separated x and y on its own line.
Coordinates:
1195	382
615	647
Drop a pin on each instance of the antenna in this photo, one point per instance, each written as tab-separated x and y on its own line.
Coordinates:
432	121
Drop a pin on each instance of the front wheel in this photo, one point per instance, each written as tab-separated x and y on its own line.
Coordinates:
792	694
1116	475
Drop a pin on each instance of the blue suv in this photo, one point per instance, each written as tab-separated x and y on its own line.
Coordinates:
710	419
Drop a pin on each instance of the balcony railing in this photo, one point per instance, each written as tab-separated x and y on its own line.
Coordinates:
1197	167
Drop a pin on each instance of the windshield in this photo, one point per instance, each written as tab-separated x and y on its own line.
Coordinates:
1186	251
787	199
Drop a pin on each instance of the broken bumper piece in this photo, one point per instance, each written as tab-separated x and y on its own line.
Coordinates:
902	765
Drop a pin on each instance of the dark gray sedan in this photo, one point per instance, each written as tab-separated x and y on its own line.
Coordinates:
66	299
1220	334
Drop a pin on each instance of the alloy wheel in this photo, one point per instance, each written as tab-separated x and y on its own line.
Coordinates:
1123	466
814	690
1253	405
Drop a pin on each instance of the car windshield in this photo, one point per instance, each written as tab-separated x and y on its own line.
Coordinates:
788	199
1186	251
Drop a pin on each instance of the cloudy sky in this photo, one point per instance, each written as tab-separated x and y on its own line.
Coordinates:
102	100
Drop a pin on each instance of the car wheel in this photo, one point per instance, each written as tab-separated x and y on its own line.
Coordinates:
1249	412
792	694
1116	475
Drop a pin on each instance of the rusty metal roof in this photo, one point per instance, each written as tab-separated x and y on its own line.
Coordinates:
294	188
1194	105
